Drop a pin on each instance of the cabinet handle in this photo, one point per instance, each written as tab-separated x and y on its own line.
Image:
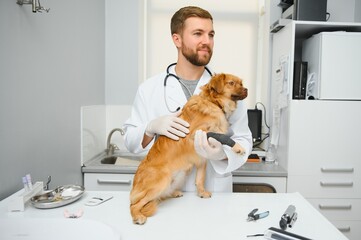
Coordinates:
324	206
331	169
102	181
336	184
344	229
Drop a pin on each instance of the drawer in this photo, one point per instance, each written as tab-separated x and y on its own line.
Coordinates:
338	209
325	187
108	182
324	166
351	229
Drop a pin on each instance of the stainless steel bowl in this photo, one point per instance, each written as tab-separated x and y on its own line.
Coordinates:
58	197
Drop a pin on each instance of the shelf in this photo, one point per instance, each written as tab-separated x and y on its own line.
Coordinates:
305	29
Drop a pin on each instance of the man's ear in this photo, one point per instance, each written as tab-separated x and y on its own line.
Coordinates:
177	40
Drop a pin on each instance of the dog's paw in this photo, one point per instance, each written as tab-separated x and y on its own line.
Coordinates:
238	149
204	194
139	219
177	194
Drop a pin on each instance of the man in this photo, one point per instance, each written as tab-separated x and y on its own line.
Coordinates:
156	105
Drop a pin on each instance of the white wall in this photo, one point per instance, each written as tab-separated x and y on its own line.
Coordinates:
341	11
50	65
123	31
357	10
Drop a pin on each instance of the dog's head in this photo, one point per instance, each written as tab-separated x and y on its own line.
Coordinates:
225	86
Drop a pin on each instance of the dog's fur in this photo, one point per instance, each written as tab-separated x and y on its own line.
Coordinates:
161	174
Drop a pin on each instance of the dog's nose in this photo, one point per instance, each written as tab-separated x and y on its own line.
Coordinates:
245	92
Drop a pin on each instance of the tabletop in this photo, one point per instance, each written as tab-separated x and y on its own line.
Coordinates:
223	216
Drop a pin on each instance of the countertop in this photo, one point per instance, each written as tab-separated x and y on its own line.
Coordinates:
223	216
262	169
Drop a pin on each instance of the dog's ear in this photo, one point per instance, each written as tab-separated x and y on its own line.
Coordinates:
217	83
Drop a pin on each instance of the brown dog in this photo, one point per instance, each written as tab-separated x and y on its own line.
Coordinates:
162	173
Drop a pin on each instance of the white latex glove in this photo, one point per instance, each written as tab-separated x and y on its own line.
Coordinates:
210	149
169	125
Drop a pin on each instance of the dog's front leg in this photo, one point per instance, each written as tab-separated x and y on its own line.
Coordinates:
200	180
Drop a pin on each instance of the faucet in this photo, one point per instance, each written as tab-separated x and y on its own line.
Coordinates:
111	147
46	187
36	5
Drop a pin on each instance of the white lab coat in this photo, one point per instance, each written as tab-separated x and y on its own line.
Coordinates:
149	104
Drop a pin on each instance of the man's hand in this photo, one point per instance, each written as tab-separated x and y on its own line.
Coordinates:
210	148
169	125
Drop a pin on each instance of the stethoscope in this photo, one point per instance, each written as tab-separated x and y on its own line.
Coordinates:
169	74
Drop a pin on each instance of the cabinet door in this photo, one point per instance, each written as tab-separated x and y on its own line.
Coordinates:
323	137
108	182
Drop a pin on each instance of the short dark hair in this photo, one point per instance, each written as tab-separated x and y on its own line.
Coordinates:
179	17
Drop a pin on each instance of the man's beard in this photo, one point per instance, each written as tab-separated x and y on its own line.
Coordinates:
193	57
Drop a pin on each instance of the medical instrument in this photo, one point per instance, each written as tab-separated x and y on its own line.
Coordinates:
256	235
288	218
275	233
169	74
95	201
254	217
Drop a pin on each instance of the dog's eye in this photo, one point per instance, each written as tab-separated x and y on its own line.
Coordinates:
231	83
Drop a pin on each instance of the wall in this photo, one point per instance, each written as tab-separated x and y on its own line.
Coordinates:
357	10
131	45
341	11
124	40
50	65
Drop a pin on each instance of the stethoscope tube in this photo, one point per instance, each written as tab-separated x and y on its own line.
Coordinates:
169	74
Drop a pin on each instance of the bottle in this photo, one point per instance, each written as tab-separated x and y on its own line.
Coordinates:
271	154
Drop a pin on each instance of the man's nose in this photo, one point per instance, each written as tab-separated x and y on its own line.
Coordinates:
206	39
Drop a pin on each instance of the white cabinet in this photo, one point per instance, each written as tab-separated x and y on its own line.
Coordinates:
318	139
324	159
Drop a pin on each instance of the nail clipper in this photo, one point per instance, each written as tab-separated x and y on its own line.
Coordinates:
254	217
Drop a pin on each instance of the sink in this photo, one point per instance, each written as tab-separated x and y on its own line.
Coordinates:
55	229
122	159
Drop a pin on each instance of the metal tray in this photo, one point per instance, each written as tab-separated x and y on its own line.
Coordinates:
58	197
